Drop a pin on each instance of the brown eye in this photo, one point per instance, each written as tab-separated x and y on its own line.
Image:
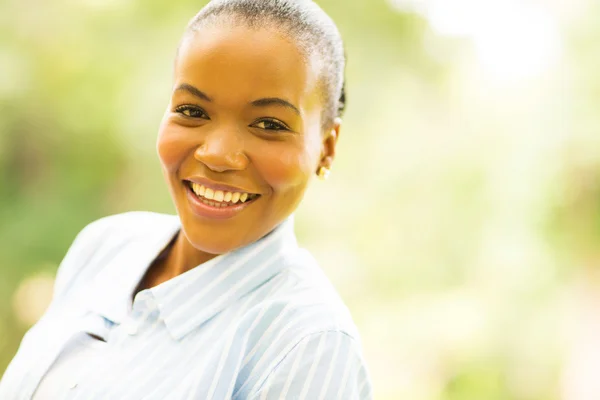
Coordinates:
191	111
270	125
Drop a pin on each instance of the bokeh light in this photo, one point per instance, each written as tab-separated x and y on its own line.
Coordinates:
32	297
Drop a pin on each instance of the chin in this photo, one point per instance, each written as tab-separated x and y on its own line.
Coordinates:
215	237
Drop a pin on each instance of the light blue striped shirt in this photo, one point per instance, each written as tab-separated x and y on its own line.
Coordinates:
261	322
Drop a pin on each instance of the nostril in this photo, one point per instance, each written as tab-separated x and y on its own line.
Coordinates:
240	158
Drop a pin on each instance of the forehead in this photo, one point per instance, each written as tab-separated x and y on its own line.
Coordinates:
228	61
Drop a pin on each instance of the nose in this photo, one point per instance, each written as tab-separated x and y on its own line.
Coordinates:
222	151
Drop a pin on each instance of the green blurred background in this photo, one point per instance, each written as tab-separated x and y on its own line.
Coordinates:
461	223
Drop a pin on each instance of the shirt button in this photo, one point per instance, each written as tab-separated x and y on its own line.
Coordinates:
132	329
73	385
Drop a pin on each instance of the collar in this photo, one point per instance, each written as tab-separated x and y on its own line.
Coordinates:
138	241
192	298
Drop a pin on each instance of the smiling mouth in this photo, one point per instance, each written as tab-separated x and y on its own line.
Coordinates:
220	198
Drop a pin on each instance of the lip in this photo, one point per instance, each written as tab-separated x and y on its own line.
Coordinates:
218	186
206	211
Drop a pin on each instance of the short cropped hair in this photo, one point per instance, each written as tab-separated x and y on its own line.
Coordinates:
307	24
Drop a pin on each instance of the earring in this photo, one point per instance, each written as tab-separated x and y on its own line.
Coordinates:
323	173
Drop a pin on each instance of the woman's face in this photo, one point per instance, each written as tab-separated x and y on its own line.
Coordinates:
242	134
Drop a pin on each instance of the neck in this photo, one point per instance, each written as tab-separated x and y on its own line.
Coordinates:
179	256
183	256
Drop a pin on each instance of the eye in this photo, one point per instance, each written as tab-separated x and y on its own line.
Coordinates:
191	111
270	124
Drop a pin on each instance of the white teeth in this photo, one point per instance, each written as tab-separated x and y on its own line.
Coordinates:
219	196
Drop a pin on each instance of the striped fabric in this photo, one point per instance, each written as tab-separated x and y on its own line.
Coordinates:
261	322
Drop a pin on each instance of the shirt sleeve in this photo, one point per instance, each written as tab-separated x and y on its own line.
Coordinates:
327	365
78	255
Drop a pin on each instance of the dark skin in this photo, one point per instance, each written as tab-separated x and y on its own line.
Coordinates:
245	111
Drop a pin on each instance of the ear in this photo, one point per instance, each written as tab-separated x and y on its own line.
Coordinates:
330	138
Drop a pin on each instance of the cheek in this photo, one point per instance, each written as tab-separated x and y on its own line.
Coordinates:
172	147
285	166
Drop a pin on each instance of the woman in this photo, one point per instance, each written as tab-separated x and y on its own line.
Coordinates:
217	302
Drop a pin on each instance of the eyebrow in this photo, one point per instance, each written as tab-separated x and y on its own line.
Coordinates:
268	101
193	90
275	101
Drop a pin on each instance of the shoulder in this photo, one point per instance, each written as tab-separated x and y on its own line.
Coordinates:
103	237
303	325
128	223
119	228
307	292
299	303
131	223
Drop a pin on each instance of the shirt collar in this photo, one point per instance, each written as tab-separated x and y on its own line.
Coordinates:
111	289
194	297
